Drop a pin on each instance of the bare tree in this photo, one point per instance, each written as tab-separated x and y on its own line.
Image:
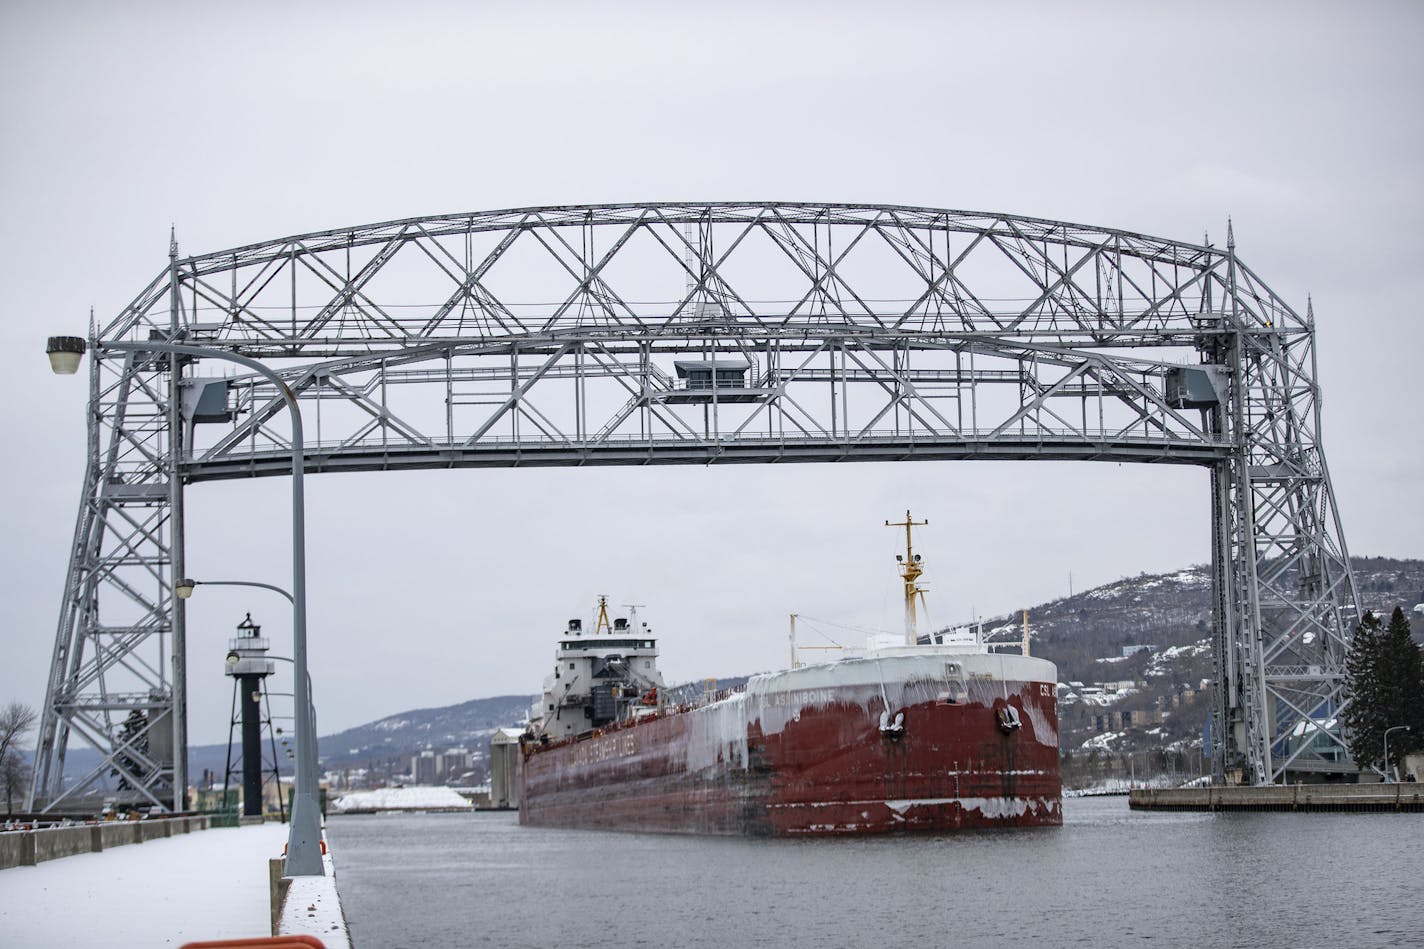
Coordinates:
16	720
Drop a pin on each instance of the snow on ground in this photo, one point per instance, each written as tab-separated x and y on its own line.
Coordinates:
210	884
403	799
1103	741
1104	698
1190	577
1124	785
1160	659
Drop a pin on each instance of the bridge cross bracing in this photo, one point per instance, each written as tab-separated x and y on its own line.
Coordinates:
700	334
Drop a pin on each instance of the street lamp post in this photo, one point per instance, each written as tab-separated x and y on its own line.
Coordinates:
1393	728
304	838
184	588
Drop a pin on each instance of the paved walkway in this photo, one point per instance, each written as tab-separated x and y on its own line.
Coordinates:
209	884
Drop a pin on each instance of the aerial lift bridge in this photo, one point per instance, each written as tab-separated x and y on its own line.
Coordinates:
640	334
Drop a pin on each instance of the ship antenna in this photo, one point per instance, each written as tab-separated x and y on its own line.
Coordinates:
910	571
602	625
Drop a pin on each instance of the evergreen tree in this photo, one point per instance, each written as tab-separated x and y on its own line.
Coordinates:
1403	674
1361	717
1384	678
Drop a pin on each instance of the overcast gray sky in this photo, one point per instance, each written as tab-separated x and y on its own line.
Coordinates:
242	122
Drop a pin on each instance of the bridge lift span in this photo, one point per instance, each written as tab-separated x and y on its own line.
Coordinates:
708	333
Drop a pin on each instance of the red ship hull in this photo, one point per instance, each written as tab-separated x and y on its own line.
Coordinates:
809	752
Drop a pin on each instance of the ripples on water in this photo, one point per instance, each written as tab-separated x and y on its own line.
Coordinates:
1108	877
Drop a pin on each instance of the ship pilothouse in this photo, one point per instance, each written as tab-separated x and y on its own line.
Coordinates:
607	676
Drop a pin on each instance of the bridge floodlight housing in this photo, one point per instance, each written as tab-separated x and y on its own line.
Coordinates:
64	353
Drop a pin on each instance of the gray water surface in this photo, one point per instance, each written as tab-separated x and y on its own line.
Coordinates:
1108	877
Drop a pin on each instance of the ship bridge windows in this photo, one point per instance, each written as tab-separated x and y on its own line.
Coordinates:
578	645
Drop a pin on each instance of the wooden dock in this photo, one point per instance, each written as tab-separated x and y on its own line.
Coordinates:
1400	798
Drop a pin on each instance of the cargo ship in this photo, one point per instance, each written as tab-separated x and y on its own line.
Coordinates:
920	733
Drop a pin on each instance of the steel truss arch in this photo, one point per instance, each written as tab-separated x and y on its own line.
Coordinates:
711	333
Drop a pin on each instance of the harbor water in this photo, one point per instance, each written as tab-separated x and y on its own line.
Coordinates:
1108	877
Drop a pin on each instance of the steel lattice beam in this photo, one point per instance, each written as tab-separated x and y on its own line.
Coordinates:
572	336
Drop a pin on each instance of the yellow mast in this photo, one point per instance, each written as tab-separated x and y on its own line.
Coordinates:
910	571
602	625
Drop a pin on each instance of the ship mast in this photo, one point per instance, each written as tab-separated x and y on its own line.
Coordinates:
601	625
910	571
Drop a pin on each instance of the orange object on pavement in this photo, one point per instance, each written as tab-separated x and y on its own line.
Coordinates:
260	942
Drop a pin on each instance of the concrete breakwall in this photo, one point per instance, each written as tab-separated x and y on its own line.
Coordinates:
25	848
309	905
1294	797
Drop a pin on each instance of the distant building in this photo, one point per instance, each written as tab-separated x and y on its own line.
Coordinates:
506	758
432	767
425	768
455	761
1116	721
1134	650
1177	699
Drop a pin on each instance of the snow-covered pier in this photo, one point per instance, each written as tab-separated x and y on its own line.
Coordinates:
208	885
1275	797
417	799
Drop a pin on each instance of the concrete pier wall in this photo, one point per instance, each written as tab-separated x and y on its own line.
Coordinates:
1295	797
25	848
153	829
16	850
116	834
62	842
